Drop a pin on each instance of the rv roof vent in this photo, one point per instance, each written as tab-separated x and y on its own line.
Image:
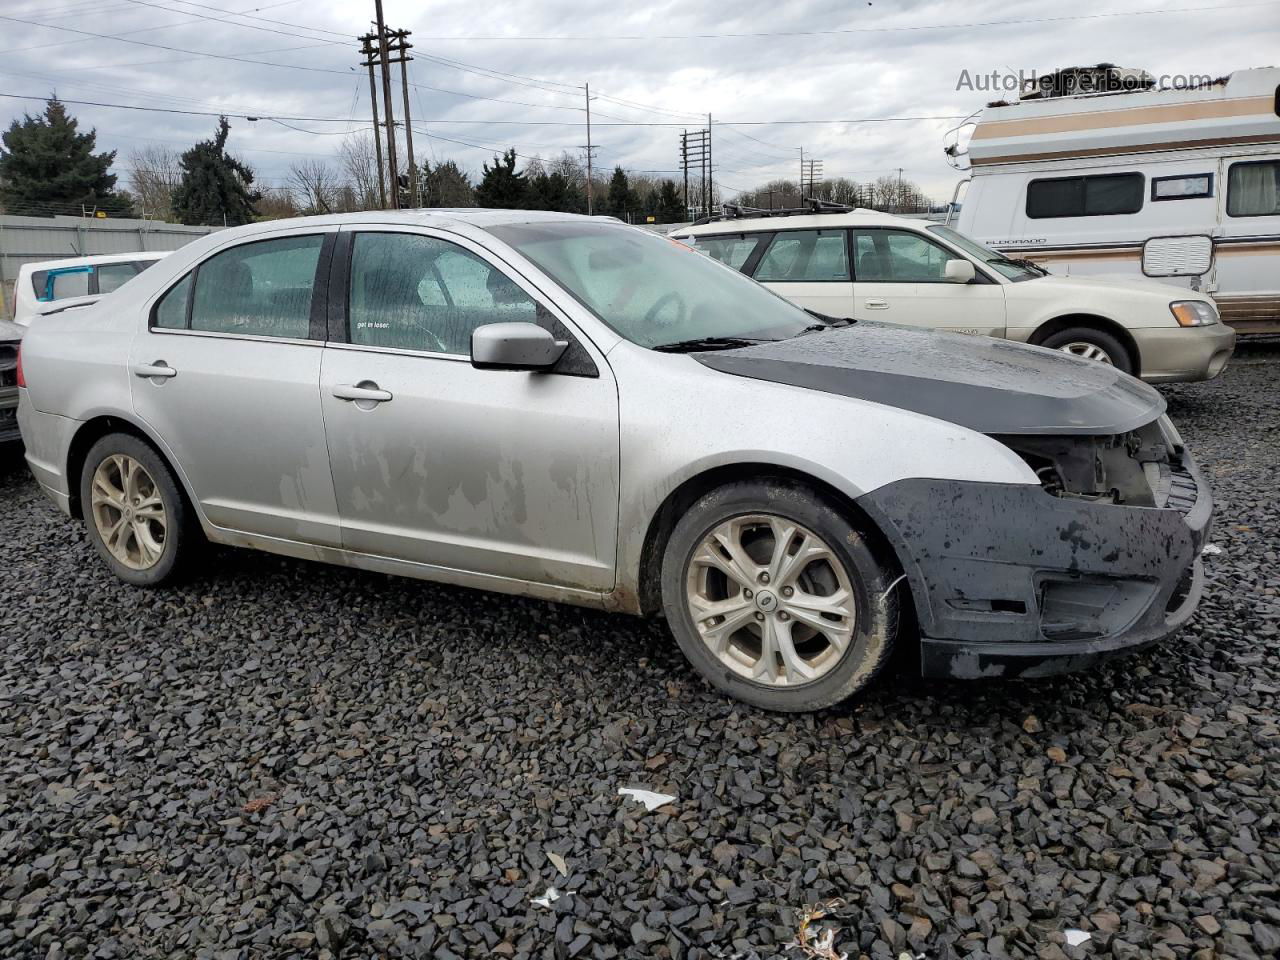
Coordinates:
1081	81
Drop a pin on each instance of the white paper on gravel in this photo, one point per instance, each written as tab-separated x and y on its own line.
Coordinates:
1076	937
547	899
651	800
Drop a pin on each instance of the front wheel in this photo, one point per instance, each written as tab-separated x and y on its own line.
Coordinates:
776	598
136	516
1091	344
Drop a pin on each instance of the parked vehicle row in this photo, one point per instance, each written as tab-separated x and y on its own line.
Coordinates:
860	263
1088	176
51	285
569	408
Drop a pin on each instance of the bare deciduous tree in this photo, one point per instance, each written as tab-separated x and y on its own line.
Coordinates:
154	173
359	161
315	184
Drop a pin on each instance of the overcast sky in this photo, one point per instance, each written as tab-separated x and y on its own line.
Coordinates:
821	60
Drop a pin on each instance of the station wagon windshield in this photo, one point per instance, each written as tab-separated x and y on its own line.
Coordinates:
653	291
1014	270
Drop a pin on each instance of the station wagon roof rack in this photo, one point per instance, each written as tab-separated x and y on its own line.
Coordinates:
812	205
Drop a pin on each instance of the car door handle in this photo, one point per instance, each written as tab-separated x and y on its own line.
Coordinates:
876	303
159	369
361	391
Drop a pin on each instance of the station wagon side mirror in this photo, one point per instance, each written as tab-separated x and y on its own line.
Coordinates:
959	271
514	346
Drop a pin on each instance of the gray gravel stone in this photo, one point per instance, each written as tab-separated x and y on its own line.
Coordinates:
282	759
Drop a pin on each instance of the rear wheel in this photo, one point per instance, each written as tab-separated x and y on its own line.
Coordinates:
135	513
776	598
1091	344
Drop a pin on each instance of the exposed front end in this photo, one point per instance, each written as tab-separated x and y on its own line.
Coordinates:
9	392
1019	580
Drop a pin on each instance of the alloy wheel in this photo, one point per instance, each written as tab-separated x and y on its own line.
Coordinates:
770	599
1090	351
128	512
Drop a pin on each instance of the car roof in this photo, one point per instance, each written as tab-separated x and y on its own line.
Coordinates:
481	218
94	259
827	221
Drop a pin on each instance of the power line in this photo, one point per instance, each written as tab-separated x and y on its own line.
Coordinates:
524	123
846	30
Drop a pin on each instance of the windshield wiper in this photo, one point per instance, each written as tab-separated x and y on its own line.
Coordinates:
1023	263
827	323
706	343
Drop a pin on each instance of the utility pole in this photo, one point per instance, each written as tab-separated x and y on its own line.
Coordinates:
684	164
800	187
711	182
590	188
900	203
402	49
366	48
695	150
392	167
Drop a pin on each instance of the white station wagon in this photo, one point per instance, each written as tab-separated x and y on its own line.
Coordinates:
875	266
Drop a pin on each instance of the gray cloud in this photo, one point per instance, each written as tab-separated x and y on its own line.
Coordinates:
872	74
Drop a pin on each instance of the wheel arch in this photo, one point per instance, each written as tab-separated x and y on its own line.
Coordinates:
688	492
93	430
1094	321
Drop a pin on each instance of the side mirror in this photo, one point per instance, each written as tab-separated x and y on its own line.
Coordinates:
959	271
514	346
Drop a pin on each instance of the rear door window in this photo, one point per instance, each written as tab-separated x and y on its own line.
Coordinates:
259	289
805	256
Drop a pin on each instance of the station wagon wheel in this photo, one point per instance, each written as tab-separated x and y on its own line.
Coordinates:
776	598
136	514
129	512
770	599
1091	343
1090	351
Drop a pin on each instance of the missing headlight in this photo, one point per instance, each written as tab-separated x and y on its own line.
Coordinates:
1126	468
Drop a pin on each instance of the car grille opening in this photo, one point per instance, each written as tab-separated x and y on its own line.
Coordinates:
1182	590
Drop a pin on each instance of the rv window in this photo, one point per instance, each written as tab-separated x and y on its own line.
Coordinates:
1095	196
1182	188
1253	189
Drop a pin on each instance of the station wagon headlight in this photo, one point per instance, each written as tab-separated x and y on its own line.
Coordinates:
1193	313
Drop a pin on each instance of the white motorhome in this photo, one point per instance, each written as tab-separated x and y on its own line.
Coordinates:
1100	171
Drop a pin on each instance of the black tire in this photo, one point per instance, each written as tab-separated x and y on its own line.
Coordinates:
1107	342
876	605
181	533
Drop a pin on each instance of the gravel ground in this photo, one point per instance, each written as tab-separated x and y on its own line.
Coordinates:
285	759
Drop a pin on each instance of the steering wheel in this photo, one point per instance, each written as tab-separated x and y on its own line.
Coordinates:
672	296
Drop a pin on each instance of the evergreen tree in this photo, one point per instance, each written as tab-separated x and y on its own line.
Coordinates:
215	186
621	200
46	166
501	188
669	208
445	185
555	191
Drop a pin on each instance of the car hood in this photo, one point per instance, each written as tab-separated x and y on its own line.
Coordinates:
992	386
1110	284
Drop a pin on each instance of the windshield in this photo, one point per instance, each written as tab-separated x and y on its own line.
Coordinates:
1014	270
651	290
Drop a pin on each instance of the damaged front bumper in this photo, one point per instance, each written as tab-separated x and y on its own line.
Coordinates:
1010	580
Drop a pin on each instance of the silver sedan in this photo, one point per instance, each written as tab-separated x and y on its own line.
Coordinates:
574	409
